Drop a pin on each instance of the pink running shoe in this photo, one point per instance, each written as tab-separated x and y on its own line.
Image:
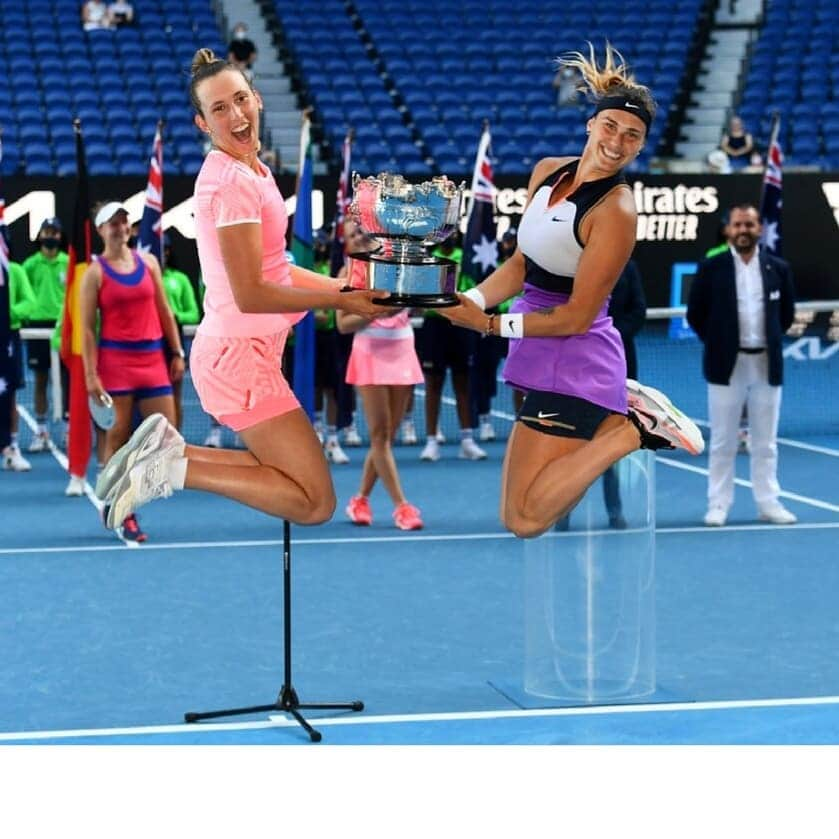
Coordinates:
407	517
358	510
659	422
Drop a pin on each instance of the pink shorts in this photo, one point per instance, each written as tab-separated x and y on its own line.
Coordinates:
383	361
239	380
141	373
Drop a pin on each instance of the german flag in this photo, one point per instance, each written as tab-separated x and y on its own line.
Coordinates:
79	445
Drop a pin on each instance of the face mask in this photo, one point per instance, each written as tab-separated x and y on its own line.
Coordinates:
50	243
240	34
132	241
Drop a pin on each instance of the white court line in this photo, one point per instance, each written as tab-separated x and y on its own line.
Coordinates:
795	444
65	465
792	496
451	716
429	537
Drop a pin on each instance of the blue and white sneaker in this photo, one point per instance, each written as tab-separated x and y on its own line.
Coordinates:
155	433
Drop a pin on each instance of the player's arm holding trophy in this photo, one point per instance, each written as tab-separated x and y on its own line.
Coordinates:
241	250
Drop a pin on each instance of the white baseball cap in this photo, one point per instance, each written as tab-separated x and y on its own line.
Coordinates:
107	212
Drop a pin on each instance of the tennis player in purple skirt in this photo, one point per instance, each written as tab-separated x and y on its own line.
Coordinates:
580	413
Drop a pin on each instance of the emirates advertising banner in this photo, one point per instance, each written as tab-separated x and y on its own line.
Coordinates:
679	219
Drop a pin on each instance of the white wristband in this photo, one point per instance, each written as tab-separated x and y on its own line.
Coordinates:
512	326
476	297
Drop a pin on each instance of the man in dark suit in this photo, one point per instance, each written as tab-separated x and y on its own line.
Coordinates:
741	303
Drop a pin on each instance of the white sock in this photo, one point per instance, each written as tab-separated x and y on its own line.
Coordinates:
177	472
465	434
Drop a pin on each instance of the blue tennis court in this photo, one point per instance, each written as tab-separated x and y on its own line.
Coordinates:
107	644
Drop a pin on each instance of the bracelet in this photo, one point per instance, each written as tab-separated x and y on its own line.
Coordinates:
476	297
490	327
512	326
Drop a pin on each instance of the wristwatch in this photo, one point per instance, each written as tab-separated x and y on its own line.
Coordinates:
180	354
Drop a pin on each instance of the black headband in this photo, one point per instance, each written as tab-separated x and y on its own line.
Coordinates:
621	103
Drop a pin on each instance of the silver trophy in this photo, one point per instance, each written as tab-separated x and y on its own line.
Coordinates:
405	220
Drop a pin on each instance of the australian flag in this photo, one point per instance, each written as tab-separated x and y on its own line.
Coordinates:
342	203
150	238
770	200
480	248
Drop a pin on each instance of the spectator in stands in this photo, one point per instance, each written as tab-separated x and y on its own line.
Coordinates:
384	367
443	346
737	143
241	50
580	414
95	15
565	82
47	273
253	297
741	303
180	295
718	163
123	288
21	303
121	13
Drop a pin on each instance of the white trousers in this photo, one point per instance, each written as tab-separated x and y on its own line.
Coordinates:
749	386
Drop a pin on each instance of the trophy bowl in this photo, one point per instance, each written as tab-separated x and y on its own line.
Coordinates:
405	220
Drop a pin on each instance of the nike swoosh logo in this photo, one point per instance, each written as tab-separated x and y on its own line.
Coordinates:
557	218
630	105
543	415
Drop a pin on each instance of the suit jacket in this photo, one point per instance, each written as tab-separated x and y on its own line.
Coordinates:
712	313
628	309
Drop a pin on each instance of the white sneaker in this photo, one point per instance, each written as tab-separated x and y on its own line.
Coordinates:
213	439
146	480
408	433
40	442
486	432
14	460
75	487
776	514
431	451
715	517
659	422
352	437
334	453
440	437
154	435
470	450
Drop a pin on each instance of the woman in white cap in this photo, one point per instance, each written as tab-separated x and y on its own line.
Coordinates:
127	362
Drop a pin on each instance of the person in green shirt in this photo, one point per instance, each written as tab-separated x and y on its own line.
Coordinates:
21	302
181	296
47	273
442	346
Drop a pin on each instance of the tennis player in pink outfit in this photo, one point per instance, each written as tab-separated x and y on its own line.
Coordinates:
125	288
253	298
384	367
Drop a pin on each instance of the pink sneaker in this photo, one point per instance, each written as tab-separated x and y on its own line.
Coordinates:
358	510
659	422
407	517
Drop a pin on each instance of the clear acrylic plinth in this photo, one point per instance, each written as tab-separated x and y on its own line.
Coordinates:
590	596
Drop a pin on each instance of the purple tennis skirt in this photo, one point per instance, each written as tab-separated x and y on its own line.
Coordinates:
591	366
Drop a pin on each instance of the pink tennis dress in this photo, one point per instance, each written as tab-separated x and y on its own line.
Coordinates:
236	356
383	352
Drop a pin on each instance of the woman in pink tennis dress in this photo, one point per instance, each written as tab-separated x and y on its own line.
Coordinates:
253	298
384	367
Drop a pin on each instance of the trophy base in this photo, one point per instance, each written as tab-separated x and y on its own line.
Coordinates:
425	283
420	301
